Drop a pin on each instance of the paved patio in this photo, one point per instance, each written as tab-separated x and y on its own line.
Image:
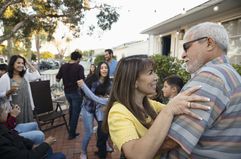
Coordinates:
71	148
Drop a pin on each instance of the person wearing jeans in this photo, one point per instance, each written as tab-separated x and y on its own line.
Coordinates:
27	130
30	131
71	72
74	99
100	86
87	119
15	146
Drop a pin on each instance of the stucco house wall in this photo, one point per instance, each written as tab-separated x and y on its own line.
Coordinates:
131	48
227	14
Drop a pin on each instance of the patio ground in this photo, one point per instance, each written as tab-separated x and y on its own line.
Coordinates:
71	148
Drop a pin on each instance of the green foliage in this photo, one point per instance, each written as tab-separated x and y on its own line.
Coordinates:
3	50
238	68
106	17
98	59
33	57
23	18
166	66
87	53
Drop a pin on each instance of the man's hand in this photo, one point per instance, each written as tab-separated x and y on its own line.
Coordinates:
15	111
50	140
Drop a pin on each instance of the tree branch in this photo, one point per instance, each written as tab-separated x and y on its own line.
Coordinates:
21	24
6	4
13	31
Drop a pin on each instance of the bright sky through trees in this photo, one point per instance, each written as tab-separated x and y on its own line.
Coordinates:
135	16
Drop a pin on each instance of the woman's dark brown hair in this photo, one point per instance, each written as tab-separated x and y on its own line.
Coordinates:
123	88
12	60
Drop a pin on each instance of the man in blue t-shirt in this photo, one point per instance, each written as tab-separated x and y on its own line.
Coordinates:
111	62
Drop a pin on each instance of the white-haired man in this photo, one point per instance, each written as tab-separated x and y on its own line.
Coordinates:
218	135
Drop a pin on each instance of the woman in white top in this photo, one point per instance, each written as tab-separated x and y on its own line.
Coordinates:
15	86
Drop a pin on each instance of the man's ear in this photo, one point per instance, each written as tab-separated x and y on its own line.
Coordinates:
211	44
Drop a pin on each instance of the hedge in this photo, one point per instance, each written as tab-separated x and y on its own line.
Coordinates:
166	65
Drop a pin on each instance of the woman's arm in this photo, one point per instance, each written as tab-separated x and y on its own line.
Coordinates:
5	89
32	76
90	94
30	66
147	146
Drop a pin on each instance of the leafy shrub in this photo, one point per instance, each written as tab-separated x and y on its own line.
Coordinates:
101	58
166	66
238	68
98	59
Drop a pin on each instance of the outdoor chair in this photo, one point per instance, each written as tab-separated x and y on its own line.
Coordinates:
44	112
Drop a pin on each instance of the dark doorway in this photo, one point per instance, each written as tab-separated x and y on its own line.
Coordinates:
166	45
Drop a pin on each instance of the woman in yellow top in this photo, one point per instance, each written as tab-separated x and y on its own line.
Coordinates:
137	125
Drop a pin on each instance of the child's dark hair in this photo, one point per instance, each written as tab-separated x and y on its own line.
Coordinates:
4	67
174	80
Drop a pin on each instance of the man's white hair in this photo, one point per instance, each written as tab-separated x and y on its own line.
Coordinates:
213	30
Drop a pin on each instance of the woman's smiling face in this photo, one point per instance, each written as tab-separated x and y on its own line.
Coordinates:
18	65
146	83
103	70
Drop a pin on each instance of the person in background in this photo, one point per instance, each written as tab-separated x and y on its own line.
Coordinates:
13	146
172	85
15	85
71	72
98	99
137	124
92	70
3	69
217	135
92	76
27	130
111	62
90	110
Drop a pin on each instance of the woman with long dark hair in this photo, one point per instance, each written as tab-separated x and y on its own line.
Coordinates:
92	70
90	110
15	86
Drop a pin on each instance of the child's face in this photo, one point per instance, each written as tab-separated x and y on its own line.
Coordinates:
168	90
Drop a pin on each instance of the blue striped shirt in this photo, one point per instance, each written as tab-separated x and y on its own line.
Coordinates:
218	135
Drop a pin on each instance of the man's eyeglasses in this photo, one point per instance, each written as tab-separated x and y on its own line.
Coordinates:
188	44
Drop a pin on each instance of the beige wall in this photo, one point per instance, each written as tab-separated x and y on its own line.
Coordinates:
124	50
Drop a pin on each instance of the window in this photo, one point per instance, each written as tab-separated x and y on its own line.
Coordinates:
234	31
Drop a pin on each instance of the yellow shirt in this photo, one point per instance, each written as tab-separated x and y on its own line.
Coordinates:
124	126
